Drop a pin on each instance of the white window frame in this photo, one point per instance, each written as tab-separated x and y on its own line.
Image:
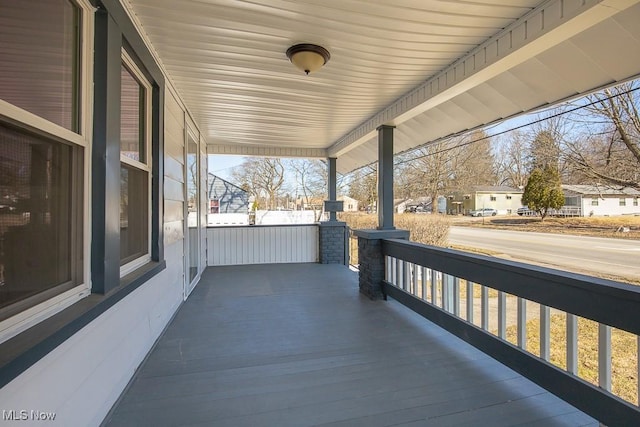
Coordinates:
131	66
33	315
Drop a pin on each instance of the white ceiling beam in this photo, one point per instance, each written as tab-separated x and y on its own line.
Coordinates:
266	151
544	27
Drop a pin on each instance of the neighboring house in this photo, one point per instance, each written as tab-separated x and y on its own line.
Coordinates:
506	200
400	205
600	200
350	204
309	204
225	197
421	204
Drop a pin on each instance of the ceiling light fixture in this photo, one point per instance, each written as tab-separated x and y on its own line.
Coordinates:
308	57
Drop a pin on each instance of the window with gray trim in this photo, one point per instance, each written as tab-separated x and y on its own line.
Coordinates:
134	170
41	170
127	199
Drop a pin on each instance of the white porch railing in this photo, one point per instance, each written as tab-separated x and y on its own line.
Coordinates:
490	302
257	244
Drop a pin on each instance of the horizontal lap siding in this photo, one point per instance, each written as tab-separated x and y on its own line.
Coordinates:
174	172
262	245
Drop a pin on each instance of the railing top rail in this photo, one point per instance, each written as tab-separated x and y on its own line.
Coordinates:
604	301
315	224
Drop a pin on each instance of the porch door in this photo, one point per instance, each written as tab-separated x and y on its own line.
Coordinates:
192	213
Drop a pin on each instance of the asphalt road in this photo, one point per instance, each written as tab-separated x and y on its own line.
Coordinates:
589	255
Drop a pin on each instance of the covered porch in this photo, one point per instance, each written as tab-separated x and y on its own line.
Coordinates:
297	344
133	322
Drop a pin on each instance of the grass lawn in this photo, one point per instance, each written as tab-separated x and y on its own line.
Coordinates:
624	350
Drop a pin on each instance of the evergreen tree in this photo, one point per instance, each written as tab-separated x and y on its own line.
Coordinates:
543	191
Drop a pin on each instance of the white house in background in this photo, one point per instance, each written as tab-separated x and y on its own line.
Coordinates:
350	204
506	200
600	200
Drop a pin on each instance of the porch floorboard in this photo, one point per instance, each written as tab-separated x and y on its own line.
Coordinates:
297	345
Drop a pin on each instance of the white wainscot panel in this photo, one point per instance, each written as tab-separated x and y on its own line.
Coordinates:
82	378
262	245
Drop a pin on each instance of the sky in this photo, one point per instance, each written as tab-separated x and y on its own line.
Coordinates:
222	165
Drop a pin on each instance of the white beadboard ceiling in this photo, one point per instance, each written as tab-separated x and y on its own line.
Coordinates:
430	67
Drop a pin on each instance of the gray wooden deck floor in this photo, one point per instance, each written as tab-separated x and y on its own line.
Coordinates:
297	345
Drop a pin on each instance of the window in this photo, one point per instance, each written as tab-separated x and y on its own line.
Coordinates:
134	167
594	202
508	197
214	206
39	53
492	198
635	201
39	214
42	162
622	201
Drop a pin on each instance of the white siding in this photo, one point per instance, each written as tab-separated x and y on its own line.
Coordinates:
609	205
262	244
82	378
174	171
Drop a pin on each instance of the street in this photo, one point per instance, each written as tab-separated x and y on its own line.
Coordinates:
587	255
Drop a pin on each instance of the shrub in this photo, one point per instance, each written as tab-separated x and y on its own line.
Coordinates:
427	229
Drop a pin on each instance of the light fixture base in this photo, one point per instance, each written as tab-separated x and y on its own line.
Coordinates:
308	57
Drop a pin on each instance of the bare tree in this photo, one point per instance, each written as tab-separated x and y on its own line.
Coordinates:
261	177
363	185
512	160
311	177
453	165
472	162
430	172
609	148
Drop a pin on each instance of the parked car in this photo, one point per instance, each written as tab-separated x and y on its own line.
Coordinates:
484	212
525	211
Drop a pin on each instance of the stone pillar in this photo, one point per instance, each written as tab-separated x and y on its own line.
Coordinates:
371	261
333	242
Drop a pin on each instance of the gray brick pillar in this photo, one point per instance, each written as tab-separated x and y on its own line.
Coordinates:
332	240
371	261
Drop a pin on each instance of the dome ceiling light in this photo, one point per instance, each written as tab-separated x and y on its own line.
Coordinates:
308	57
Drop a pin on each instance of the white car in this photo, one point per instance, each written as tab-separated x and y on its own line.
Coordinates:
484	212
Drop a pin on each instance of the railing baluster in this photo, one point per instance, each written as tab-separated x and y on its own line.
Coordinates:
502	314
469	301
397	273
434	284
604	356
484	314
424	283
388	269
456	296
414	269
572	343
522	323
447	292
406	276
545	332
